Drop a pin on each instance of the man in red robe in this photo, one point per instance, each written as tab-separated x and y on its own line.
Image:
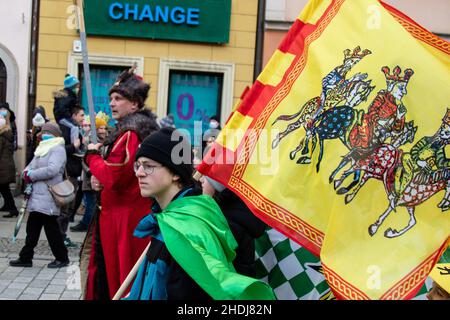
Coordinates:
386	114
122	205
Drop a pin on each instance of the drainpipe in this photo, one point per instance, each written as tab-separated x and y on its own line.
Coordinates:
259	47
33	60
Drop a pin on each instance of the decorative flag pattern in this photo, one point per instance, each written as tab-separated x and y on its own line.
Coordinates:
340	145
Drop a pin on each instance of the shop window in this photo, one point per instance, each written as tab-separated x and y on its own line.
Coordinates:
193	98
194	91
102	78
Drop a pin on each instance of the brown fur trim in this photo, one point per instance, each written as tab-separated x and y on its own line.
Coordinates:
142	122
59	94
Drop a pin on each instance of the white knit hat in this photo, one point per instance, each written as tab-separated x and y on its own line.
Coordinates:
38	120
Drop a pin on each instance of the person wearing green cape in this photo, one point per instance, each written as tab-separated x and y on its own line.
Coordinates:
192	248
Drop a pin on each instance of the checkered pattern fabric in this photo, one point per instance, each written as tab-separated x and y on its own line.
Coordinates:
294	273
422	294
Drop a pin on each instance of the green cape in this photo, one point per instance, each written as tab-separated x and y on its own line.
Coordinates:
198	237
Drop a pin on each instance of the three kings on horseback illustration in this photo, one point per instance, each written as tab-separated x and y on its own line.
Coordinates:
373	138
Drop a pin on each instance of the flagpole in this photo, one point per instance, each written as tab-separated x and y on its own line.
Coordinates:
87	73
131	275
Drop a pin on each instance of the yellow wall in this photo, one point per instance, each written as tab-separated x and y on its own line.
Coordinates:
56	41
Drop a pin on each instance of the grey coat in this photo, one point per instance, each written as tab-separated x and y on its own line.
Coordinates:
45	171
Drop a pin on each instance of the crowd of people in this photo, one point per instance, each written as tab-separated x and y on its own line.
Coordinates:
197	237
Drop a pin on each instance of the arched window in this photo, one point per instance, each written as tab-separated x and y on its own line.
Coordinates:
3	77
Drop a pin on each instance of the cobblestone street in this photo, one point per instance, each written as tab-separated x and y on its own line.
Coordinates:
37	282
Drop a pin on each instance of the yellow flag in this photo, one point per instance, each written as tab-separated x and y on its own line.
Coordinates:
341	145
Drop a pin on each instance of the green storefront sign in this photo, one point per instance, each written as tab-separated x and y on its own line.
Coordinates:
193	20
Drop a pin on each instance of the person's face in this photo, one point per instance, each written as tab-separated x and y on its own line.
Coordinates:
78	118
3	113
154	179
444	132
213	124
437	293
101	132
207	188
399	90
86	127
121	106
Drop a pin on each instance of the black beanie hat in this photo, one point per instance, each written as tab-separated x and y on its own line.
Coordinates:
159	147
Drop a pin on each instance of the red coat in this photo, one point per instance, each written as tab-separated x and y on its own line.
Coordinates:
122	209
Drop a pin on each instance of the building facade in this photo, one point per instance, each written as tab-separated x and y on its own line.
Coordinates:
197	56
15	31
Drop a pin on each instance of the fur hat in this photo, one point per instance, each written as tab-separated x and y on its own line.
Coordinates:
51	128
159	146
131	86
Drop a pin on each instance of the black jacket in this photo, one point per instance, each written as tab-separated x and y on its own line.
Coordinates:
73	165
65	101
245	226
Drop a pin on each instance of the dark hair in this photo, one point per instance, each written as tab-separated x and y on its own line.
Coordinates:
225	197
214	117
186	181
41	110
76	110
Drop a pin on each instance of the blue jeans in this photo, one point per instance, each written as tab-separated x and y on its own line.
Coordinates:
90	201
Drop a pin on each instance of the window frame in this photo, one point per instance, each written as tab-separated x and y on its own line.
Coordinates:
227	69
75	59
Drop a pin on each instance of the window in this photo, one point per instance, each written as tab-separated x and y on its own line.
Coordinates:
194	96
194	91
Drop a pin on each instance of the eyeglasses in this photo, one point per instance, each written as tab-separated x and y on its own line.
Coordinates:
148	169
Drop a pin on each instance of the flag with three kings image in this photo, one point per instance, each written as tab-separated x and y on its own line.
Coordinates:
341	145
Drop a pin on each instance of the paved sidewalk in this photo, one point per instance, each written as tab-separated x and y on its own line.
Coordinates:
37	282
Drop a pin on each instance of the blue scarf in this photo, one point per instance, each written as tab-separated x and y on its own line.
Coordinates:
151	279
